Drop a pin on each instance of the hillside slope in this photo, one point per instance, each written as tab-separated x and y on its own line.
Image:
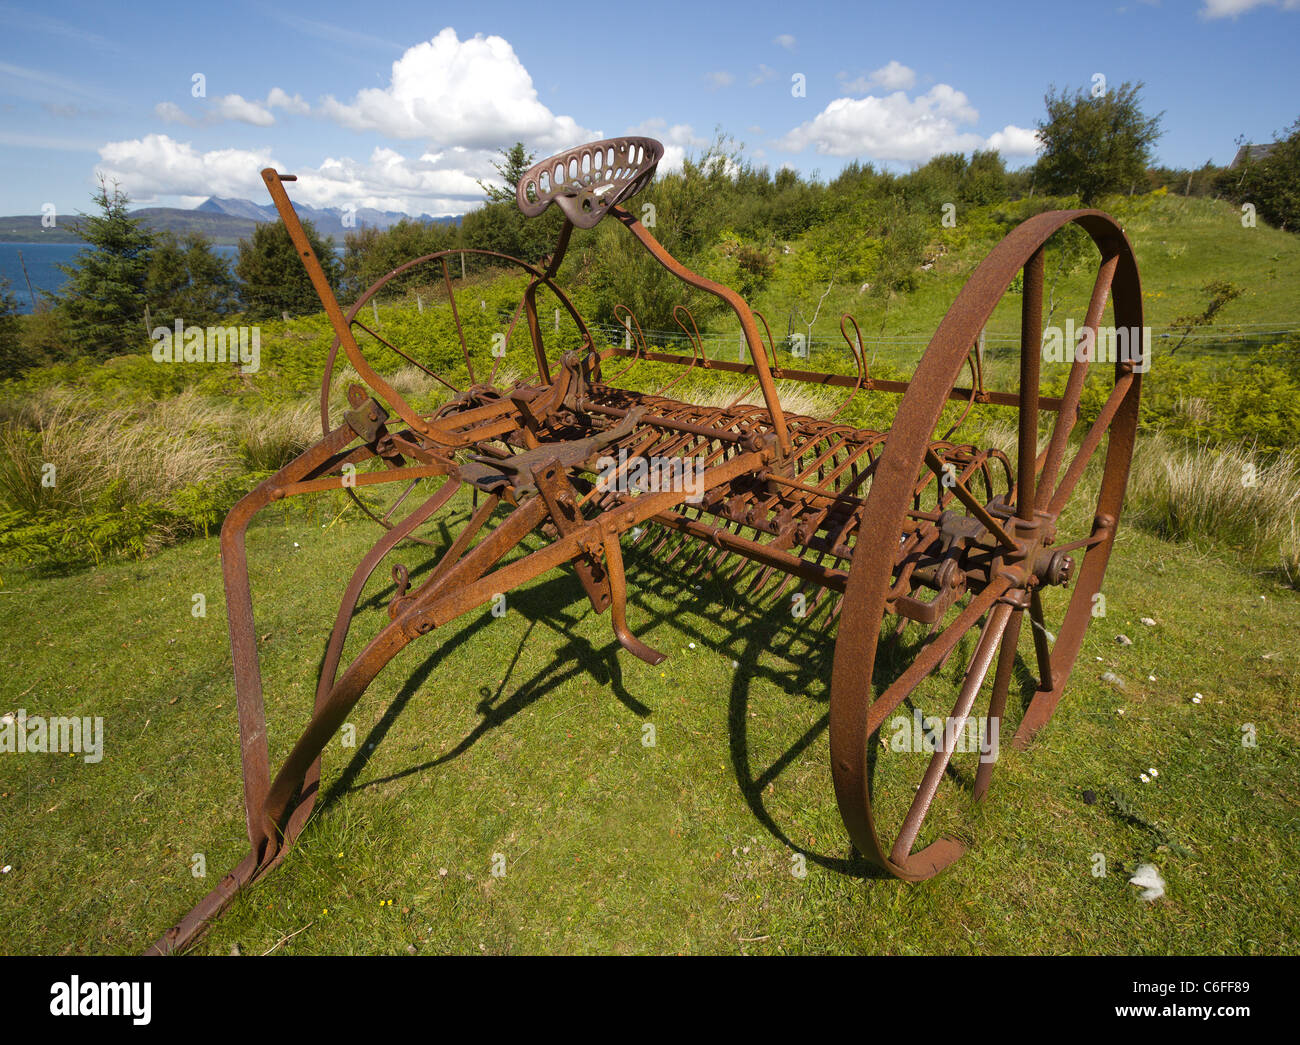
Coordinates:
1181	245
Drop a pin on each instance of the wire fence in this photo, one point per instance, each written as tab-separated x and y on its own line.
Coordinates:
1220	342
905	350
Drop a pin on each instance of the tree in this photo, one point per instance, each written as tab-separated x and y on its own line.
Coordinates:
500	225
1095	145
1271	184
105	294
271	276
15	355
515	163
1184	181
371	253
986	179
1221	292
187	280
503	228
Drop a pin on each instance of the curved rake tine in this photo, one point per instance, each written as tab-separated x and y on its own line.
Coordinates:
976	386
859	359
627	322
771	349
697	349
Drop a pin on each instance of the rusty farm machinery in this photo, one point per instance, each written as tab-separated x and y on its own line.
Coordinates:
903	530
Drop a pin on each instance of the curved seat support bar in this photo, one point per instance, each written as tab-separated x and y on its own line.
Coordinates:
738	305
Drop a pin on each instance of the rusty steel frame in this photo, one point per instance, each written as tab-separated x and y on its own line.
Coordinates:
782	495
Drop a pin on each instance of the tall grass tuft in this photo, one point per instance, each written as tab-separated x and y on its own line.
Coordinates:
796	397
1231	494
269	440
62	453
1194	492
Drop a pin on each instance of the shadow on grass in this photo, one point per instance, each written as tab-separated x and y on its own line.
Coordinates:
575	657
756	631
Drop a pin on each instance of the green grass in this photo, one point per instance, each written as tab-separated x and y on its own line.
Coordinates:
523	736
1180	245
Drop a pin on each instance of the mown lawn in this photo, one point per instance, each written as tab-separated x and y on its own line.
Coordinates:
523	736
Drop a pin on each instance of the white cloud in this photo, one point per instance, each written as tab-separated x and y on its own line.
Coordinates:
159	166
762	75
236	107
897	128
1233	8
676	140
391	181
281	99
719	79
785	40
892	77
170	112
1015	141
473	93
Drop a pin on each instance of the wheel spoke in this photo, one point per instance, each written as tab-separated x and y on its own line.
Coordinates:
414	362
514	319
930	657
979	667
455	315
1041	650
1031	355
1090	443
970	501
998	703
1069	411
398	503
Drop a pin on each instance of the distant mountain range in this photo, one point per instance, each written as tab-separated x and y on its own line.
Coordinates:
224	221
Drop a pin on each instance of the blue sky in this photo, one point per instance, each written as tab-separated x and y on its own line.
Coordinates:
403	105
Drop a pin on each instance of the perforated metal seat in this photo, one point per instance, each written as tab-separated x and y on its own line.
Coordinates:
590	179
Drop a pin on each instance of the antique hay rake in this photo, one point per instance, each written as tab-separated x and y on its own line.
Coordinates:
886	527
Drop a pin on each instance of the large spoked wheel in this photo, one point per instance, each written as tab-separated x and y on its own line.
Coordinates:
906	810
471	339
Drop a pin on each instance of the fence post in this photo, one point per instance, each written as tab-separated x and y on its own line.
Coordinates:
374	307
419	304
557	320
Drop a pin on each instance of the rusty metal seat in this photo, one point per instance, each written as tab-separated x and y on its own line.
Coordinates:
587	181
